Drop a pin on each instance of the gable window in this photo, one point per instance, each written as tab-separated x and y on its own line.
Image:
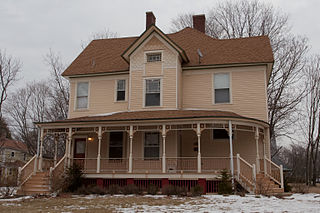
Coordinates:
153	57
121	90
151	145
221	88
12	154
82	95
116	145
152	96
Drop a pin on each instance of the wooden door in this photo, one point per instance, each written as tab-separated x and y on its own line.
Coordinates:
79	153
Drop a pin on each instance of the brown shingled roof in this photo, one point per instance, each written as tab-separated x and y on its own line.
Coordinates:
104	55
12	144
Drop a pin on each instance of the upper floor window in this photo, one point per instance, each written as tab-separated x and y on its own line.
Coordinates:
82	95
121	90
152	97
152	57
221	88
12	154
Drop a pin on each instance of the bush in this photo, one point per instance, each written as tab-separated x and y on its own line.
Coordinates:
197	190
131	189
92	189
225	186
73	178
152	189
113	189
174	190
300	188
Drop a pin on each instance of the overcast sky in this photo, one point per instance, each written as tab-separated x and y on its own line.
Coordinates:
28	28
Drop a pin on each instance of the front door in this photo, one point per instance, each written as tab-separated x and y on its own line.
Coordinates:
79	151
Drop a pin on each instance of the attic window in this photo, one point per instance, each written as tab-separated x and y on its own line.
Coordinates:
153	57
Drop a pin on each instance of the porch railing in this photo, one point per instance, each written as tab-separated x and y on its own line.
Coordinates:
146	164
57	171
86	164
113	164
210	164
246	174
273	171
25	172
181	164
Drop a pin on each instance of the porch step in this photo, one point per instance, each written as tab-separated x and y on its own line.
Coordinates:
265	185
37	184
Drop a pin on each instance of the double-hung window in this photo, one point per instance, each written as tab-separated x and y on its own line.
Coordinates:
121	90
221	88
151	145
152	96
82	95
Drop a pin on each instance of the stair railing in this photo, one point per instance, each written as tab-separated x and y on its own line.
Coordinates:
25	172
246	174
57	170
274	171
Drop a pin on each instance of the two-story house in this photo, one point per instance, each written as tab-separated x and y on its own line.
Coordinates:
167	109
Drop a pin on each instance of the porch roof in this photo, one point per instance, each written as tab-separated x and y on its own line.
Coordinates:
154	115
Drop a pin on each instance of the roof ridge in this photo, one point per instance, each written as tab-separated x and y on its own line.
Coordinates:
243	38
127	37
194	30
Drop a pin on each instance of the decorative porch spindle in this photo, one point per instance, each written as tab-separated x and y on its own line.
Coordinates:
257	149
130	148
231	154
55	150
164	149
69	147
41	149
199	148
99	149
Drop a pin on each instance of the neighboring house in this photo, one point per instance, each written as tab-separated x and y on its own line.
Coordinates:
13	154
168	109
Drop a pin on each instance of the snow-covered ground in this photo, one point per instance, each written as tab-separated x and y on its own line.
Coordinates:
130	203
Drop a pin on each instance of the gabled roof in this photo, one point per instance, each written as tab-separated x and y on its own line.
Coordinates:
144	36
6	143
105	55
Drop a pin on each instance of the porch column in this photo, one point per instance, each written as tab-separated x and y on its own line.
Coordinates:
99	148
199	148
264	154
257	149
130	148
69	146
231	154
164	149
55	150
41	150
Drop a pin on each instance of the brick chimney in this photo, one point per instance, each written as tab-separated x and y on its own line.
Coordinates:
199	22
150	19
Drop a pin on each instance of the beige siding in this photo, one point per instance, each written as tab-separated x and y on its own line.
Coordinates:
165	70
101	96
248	91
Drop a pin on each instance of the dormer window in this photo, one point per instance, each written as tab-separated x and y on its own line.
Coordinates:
121	90
153	57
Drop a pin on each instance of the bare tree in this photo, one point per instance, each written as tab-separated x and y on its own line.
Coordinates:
237	19
312	115
59	93
9	69
106	33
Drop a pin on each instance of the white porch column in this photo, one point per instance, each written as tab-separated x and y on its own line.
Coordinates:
264	154
55	151
130	148
164	149
199	148
257	149
231	154
69	146
99	149
41	150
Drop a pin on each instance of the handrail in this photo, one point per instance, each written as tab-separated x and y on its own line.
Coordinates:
270	174
246	174
54	169
28	175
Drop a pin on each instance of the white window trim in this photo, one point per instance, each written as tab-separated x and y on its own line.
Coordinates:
230	88
116	90
143	143
76	96
144	92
